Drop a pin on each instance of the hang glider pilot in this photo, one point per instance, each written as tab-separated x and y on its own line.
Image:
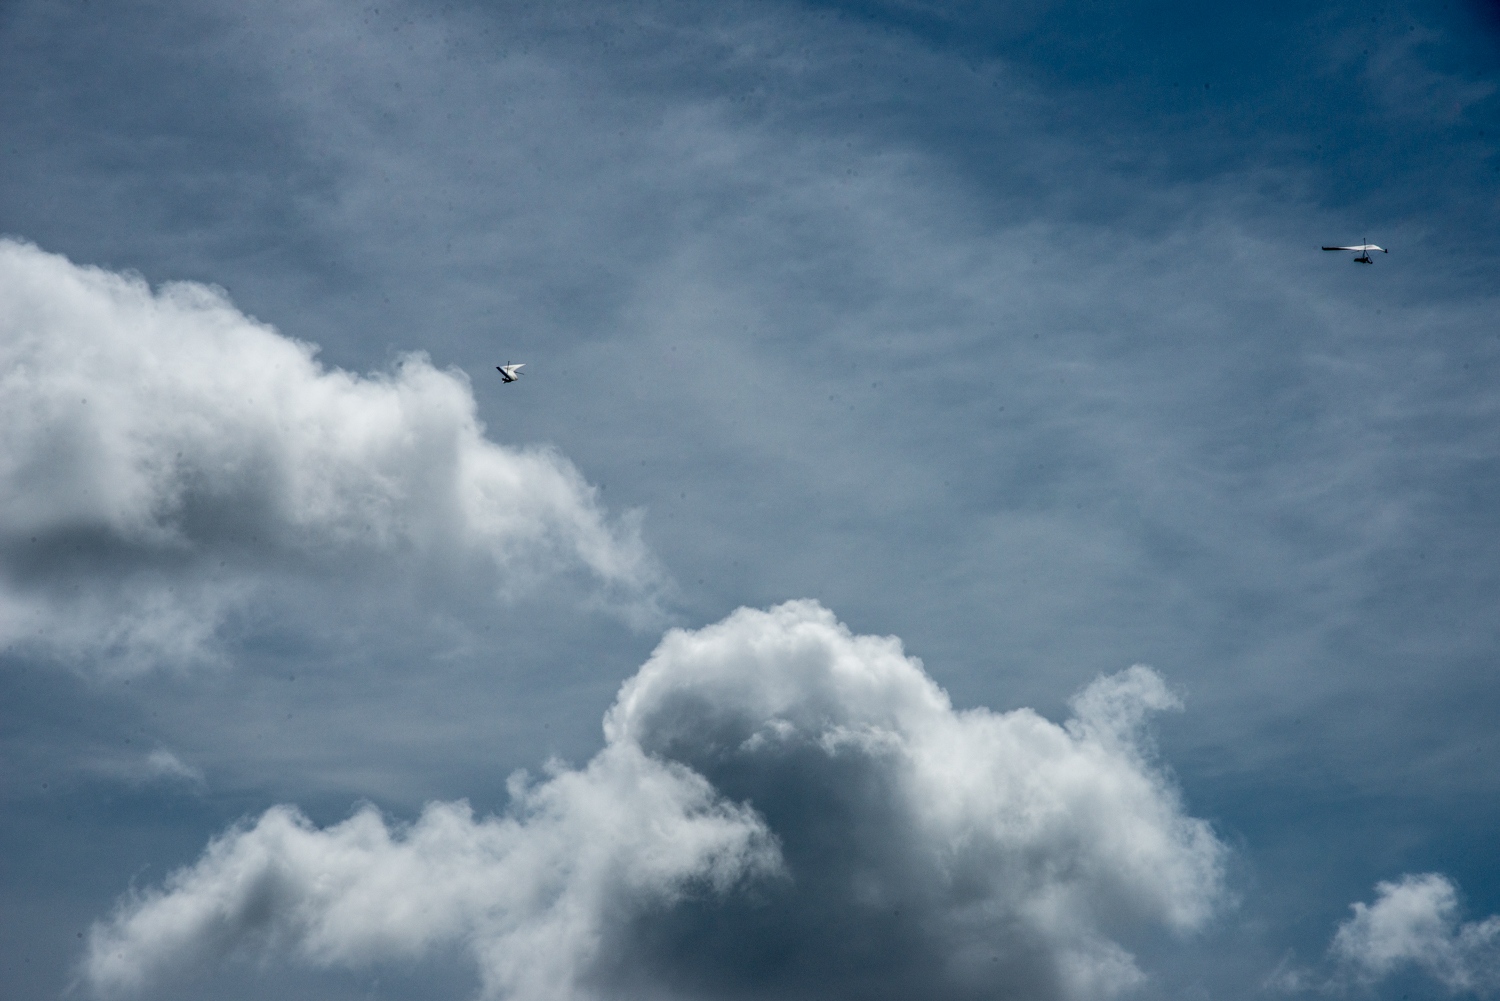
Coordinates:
1363	250
509	372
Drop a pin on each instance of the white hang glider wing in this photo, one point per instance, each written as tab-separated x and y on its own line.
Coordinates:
509	372
1362	255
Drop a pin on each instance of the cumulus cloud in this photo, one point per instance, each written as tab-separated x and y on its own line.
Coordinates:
993	853
160	452
530	892
781	808
1414	921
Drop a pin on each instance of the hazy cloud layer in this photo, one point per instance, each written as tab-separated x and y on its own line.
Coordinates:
1002	330
1414	922
781	807
161	454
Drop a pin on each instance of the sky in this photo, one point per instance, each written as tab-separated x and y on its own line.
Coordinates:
956	534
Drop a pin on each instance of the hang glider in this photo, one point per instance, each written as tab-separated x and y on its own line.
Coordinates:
1363	250
509	372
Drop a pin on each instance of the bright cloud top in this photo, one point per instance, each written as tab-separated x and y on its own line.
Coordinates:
152	441
981	844
780	807
1414	921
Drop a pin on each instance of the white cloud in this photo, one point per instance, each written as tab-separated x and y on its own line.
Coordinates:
161	452
780	806
1015	839
1414	921
529	891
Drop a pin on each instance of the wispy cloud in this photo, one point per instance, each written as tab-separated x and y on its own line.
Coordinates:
159	767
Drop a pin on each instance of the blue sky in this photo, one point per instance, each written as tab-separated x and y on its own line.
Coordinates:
1001	329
